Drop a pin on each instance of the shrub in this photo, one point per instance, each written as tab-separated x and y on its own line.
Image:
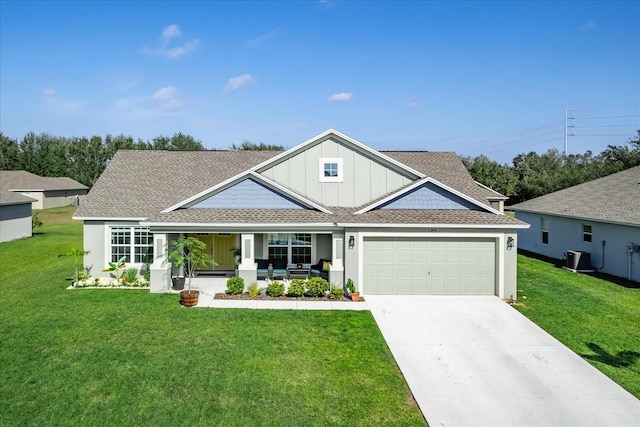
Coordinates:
254	290
130	275
275	289
316	287
296	288
235	285
337	292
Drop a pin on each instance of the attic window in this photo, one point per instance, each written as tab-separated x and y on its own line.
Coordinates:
330	170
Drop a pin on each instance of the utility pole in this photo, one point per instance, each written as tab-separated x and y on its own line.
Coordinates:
567	125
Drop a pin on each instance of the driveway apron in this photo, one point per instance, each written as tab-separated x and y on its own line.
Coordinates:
476	361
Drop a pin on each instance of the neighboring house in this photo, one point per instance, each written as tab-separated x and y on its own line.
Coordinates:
393	222
599	217
47	192
15	216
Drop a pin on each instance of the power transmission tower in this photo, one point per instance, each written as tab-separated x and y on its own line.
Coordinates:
567	125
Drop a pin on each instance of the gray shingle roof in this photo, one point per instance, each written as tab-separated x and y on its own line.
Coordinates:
10	198
27	181
141	184
614	198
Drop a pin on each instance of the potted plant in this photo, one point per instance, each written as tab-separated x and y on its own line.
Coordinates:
189	253
355	295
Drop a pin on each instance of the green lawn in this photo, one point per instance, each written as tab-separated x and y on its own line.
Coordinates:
129	357
597	319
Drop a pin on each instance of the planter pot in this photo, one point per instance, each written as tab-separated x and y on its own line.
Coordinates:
355	296
189	298
178	283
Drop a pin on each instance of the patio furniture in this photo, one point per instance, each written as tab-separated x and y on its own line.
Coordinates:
321	269
278	268
263	268
298	273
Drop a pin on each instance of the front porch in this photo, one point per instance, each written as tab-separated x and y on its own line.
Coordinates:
291	251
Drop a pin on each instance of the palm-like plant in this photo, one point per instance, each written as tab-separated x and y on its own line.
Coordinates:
189	253
77	254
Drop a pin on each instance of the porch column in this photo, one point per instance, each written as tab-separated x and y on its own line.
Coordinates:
247	268
160	269
336	271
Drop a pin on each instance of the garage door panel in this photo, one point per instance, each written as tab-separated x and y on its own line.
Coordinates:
429	266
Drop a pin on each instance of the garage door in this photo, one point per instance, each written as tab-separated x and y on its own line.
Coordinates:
444	266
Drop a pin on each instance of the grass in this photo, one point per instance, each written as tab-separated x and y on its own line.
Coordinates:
595	317
111	357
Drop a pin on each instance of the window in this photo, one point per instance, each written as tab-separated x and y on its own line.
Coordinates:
544	225
586	233
295	247
126	241
330	170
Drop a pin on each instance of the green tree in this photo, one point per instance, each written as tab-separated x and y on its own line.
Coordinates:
9	153
250	146
500	178
178	141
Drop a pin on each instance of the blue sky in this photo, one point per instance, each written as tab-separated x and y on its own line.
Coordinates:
489	78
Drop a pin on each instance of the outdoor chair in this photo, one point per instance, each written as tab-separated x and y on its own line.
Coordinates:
321	269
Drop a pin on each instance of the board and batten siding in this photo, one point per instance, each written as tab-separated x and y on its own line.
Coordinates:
364	178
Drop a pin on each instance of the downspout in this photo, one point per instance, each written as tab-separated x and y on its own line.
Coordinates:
604	242
630	254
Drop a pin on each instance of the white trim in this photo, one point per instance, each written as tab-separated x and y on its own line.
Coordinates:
239	178
498	196
325	134
499	244
580	218
428	225
322	161
421	182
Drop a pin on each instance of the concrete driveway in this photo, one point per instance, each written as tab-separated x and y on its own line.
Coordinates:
476	361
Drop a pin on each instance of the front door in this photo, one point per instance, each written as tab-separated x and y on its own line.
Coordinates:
207	239
222	254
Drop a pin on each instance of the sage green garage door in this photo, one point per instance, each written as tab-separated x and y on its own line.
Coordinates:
446	266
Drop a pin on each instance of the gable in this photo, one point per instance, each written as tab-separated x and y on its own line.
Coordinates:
362	174
428	196
248	194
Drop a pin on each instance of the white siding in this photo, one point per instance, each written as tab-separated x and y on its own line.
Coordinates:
15	222
566	234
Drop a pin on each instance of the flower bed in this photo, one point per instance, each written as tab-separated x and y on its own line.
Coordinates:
109	283
246	296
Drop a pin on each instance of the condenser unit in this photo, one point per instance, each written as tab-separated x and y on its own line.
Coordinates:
578	261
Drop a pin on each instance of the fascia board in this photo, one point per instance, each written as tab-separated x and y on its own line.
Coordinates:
244	175
496	196
241	225
427	225
580	218
422	182
106	218
374	153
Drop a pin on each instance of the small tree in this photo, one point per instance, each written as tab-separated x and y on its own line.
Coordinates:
189	253
77	254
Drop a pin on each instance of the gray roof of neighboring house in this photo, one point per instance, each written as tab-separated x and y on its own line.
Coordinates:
10	198
26	181
613	198
141	184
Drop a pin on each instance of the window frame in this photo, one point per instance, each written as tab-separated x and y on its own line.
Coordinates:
544	230
323	162
587	236
288	247
135	239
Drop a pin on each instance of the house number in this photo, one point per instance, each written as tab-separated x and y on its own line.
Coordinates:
431	230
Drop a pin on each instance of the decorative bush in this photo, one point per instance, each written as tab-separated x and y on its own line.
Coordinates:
235	285
317	287
296	288
337	292
130	275
275	289
254	290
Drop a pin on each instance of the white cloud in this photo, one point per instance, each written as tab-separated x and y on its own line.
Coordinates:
415	103
49	91
338	97
264	37
169	33
236	83
589	26
167	100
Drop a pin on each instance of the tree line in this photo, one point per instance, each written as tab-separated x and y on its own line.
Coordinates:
83	159
530	175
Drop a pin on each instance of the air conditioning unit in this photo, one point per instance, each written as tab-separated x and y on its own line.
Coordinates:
578	261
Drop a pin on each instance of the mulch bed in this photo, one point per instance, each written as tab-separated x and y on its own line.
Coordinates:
246	296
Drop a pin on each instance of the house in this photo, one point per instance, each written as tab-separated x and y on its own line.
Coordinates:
48	192
15	216
393	222
594	225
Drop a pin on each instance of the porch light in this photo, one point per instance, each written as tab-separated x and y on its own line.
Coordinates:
352	242
509	242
